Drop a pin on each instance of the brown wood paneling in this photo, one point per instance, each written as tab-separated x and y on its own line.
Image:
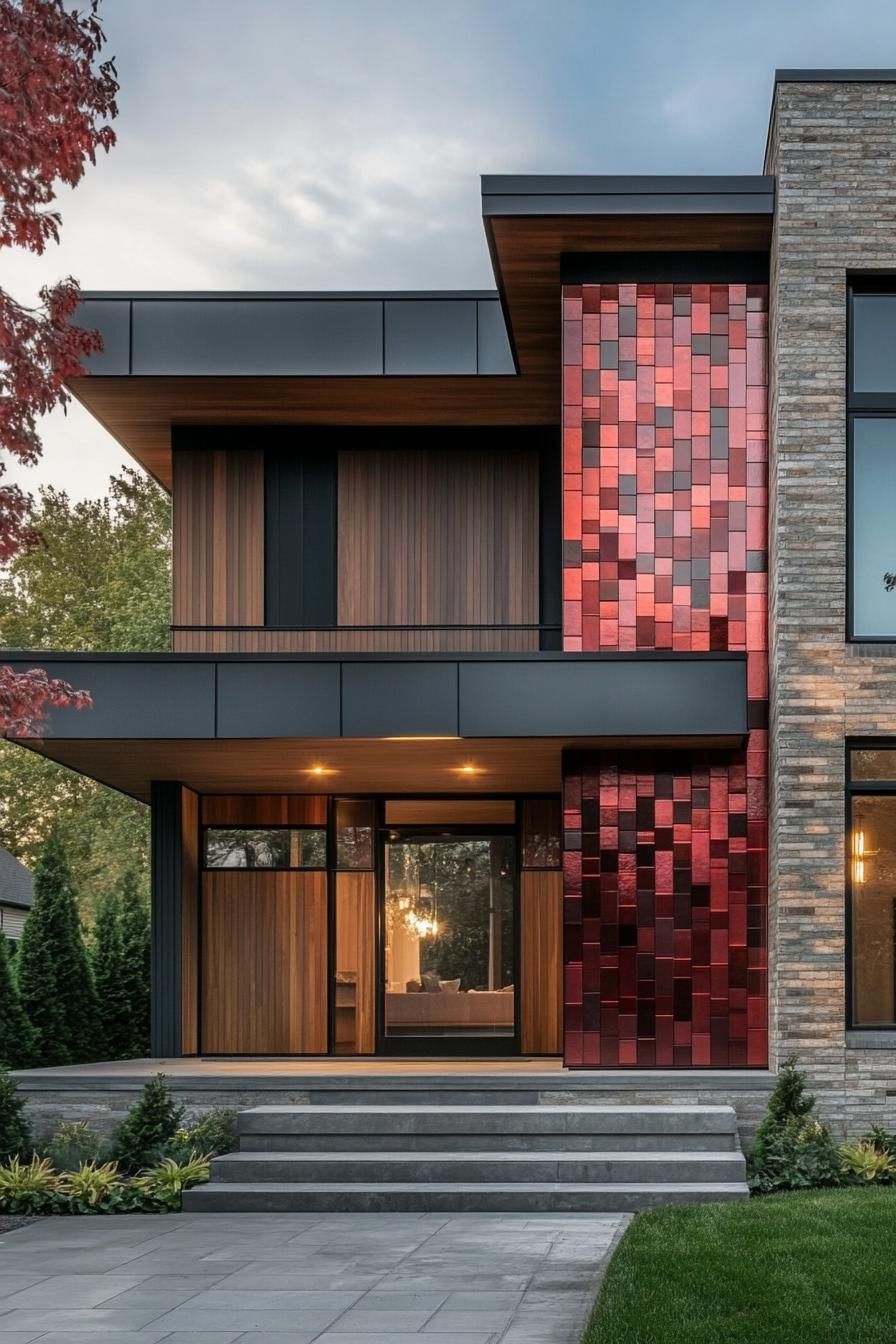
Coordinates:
218	548
240	809
438	537
355	968
264	963
450	811
355	641
189	937
541	958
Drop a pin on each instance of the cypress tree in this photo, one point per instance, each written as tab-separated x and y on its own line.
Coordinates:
16	1036
135	969
107	961
55	980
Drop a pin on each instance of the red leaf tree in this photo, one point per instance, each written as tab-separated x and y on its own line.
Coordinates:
56	102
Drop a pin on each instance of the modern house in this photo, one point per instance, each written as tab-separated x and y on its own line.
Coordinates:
16	895
532	688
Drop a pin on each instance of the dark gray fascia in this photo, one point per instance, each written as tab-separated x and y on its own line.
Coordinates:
570	696
835	76
589	195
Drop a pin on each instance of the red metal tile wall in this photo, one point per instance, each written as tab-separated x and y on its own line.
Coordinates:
665	547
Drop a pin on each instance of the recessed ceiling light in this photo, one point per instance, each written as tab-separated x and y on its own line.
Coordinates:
467	769
320	770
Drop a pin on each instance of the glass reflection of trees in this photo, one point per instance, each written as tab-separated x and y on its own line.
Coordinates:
462	890
265	847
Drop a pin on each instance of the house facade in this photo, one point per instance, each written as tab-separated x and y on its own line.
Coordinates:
531	688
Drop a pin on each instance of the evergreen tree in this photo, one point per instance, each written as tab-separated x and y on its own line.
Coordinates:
135	972
55	980
107	961
149	1126
16	1036
15	1132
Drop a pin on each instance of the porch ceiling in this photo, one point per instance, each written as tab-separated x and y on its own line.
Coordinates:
346	765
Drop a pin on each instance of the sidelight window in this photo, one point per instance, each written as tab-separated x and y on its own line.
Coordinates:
871	400
872	885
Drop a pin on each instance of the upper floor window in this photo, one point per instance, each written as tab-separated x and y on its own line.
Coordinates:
871	401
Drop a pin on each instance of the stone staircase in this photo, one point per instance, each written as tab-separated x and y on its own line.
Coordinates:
394	1154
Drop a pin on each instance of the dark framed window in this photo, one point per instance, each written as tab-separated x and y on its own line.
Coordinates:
541	833
871	411
354	826
871	884
274	847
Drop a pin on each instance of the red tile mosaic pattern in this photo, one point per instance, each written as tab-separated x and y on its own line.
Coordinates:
665	547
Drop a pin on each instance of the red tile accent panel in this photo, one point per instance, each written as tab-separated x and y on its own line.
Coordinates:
665	547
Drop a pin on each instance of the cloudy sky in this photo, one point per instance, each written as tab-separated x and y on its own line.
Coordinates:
338	143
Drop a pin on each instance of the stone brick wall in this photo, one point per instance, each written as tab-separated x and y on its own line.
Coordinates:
832	148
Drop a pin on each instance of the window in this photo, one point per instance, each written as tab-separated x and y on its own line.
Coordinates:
541	833
872	885
871	399
279	847
354	821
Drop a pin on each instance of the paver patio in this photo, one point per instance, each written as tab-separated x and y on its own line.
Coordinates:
294	1278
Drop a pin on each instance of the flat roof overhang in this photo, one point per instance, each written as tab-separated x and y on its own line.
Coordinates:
378	723
453	358
533	223
429	358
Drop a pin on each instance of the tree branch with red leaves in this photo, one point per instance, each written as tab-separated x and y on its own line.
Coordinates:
56	102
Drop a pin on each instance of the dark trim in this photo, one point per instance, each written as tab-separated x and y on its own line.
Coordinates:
854	76
300	538
44	656
591	268
588	195
166	828
274	295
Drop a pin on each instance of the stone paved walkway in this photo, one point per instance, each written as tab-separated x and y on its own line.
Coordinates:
294	1278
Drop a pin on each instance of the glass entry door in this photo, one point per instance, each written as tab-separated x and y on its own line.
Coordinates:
449	946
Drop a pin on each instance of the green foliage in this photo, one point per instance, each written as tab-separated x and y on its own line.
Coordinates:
71	1144
149	1126
53	970
135	977
15	1133
883	1139
101	581
91	1187
213	1133
107	962
792	1150
814	1266
867	1162
16	1036
28	1187
166	1181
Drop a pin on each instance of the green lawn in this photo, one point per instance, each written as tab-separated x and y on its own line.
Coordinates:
811	1268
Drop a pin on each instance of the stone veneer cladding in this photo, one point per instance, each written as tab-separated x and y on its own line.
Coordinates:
832	148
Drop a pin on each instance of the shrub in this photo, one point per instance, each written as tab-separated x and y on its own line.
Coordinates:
54	976
15	1132
213	1133
72	1143
792	1150
28	1187
883	1139
867	1162
166	1181
16	1036
148	1128
92	1187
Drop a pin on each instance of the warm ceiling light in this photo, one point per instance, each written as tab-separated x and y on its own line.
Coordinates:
423	737
467	769
320	770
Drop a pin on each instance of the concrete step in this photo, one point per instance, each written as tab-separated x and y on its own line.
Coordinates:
452	1197
470	1167
444	1141
458	1118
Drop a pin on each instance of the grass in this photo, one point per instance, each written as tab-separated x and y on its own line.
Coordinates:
815	1267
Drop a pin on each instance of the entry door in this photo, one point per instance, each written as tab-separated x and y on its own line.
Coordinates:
449	919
